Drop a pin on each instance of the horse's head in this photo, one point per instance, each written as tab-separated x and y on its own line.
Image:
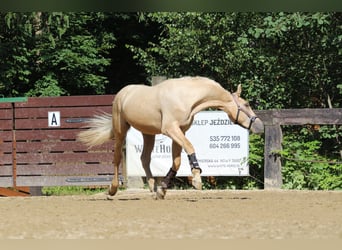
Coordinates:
243	115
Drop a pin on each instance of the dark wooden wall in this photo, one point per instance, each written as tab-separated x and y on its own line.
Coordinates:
35	154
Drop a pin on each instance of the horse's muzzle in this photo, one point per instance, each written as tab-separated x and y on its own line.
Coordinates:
256	125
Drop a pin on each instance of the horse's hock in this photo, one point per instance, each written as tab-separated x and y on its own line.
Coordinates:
38	144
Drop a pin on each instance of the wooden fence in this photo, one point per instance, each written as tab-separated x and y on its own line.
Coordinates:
38	151
273	120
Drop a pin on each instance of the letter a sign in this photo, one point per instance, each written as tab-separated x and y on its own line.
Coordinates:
54	119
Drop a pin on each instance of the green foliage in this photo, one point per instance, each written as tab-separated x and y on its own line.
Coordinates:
71	190
47	86
331	139
284	60
49	54
256	161
303	54
304	168
211	44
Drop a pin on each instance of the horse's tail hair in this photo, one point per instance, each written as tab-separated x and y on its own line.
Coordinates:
100	130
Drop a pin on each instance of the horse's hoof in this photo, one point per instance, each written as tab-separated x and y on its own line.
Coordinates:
151	185
112	190
110	198
196	179
160	193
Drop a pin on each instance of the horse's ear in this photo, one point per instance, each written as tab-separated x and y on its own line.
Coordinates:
238	91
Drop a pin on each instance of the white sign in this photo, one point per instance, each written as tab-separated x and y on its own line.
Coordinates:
54	119
221	148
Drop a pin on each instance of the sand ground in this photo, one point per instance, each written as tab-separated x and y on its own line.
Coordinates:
184	214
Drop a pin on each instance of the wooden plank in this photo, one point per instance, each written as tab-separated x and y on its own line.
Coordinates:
5	159
52	135
5	147
47	181
36	124
5	105
308	116
13	99
6	125
58	169
66	112
47	137
19	191
6	136
61	146
6	114
66	134
301	116
65	169
272	167
6	170
6	118
65	123
6	181
66	101
64	157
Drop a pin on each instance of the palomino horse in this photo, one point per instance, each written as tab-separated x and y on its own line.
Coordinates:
166	108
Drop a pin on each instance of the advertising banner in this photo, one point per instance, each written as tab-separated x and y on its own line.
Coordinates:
221	148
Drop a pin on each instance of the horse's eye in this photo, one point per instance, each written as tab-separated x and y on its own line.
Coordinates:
247	105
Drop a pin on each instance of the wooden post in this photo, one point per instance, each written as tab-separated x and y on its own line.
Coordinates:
14	148
272	166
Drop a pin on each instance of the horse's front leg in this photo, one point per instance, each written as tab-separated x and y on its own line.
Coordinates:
196	171
178	137
146	160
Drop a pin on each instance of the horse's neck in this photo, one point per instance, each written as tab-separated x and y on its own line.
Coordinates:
218	101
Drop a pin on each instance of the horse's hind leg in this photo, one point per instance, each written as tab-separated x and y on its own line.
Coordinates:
119	140
146	160
117	160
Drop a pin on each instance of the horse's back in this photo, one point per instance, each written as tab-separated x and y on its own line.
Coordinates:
173	84
187	82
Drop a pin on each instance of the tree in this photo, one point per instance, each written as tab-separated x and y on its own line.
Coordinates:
54	53
16	44
284	60
303	56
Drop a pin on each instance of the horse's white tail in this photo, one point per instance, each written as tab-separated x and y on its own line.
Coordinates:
100	130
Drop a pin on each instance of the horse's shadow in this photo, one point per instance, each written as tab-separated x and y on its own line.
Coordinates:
139	197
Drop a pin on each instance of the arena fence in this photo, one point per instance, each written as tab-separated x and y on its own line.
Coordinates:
273	120
38	144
